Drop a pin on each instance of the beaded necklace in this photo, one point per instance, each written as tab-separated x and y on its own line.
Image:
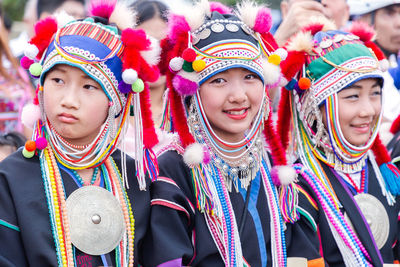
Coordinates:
82	182
56	202
351	248
211	185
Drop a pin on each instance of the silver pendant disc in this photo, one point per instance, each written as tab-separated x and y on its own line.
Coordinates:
376	216
96	220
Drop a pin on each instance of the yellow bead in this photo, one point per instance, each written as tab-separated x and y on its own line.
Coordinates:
198	65
274	59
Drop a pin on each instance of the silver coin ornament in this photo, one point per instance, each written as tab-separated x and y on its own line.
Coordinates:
96	220
376	216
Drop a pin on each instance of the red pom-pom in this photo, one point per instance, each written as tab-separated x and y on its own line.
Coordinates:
189	55
26	62
362	30
30	145
44	31
41	143
304	83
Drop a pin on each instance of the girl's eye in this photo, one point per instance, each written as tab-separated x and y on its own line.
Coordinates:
352	96
57	80
377	93
251	76
218	81
90	87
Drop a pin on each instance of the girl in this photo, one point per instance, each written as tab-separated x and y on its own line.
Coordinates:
66	198
349	204
214	203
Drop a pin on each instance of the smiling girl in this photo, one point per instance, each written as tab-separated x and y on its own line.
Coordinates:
214	203
349	204
67	198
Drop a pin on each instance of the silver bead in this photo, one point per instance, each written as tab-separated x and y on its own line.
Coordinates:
96	219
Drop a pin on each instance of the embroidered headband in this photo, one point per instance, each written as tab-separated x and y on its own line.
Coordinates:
107	48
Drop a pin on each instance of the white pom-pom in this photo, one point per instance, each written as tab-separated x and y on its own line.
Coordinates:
31	51
247	11
129	76
176	63
63	18
30	115
286	174
384	65
282	53
271	73
152	56
193	155
283	82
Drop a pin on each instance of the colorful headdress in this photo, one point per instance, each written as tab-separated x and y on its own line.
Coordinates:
210	40
113	54
320	63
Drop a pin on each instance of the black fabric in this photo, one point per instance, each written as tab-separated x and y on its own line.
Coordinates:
171	231
302	241
225	34
23	204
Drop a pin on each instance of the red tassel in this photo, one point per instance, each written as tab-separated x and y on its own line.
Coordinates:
395	126
275	144
293	64
269	41
44	31
378	52
362	30
178	115
284	117
313	28
150	138
381	154
166	48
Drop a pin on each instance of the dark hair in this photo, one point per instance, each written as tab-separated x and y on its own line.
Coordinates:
13	139
50	6
148	9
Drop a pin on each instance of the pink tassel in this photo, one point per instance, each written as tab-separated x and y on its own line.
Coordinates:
179	27
184	86
263	21
102	8
220	8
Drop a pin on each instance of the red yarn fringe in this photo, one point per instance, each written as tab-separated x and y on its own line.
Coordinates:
380	152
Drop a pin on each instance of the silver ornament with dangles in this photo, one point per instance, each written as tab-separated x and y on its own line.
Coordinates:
376	216
96	220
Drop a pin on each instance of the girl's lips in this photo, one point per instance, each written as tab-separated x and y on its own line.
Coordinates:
237	114
67	118
362	128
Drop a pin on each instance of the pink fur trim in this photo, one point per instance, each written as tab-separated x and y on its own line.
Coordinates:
263	21
178	26
102	8
219	7
184	86
275	176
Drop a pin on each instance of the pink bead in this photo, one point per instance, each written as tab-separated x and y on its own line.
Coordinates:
41	143
26	62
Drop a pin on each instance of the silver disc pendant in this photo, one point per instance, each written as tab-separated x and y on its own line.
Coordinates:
376	216
96	220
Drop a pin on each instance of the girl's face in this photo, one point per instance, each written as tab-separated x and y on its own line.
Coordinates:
231	100
75	104
359	108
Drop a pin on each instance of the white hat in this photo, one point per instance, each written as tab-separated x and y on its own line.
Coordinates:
361	7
